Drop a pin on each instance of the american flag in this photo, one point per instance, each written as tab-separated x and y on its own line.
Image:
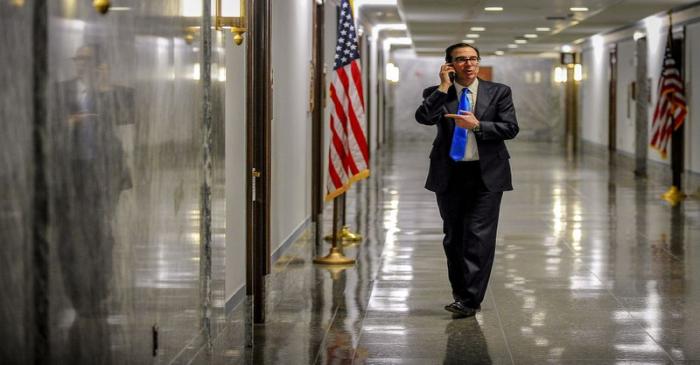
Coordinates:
348	156
671	108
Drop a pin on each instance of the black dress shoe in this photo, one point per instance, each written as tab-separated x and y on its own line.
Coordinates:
460	309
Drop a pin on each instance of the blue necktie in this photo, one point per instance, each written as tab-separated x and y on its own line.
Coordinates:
459	139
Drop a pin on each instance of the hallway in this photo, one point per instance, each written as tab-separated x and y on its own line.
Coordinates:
591	267
169	168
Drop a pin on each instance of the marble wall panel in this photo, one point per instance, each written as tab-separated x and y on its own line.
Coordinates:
126	178
218	181
16	179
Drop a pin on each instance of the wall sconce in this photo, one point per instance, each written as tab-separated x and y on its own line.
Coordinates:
578	72
392	72
230	14
190	32
560	74
101	6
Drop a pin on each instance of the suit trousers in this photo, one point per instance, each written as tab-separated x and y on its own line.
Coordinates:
470	219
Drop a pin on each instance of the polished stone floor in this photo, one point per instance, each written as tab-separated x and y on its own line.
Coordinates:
591	268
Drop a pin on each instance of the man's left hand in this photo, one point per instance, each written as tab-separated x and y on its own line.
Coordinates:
466	120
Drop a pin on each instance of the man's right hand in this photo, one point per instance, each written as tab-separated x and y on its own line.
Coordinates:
445	81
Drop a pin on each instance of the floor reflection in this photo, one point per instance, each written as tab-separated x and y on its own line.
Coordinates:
590	267
466	343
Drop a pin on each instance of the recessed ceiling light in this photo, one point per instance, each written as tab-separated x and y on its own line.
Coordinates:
469	40
543	29
520	41
493	8
530	35
566	48
472	35
499	53
578	8
477	29
512	46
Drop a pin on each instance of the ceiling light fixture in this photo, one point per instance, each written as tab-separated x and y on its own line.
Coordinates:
473	35
578	8
377	28
493	8
543	29
477	29
499	53
520	41
512	46
529	35
566	48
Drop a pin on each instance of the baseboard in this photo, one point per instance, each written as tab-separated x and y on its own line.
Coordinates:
291	239
235	299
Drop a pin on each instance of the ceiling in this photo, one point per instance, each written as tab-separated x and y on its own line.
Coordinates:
435	24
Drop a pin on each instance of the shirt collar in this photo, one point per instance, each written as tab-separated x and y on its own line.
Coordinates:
472	88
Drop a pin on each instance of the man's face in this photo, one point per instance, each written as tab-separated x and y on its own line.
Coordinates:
465	65
84	62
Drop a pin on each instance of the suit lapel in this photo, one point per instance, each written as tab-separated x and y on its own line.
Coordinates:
452	102
483	98
451	105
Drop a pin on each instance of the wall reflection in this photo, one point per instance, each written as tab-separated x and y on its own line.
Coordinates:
123	165
16	179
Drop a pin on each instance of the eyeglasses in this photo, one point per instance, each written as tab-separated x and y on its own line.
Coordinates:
463	60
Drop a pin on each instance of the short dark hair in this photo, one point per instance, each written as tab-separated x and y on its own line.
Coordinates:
448	51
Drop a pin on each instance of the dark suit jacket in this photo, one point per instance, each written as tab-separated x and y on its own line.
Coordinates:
496	114
92	142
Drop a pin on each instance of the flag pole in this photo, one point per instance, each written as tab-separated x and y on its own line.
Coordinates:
336	256
344	234
348	155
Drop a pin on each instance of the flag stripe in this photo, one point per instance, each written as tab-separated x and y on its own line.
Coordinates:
357	76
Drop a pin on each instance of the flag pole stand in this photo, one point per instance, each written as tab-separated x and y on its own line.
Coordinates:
336	256
345	234
673	195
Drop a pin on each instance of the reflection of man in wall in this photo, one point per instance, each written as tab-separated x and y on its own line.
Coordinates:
89	172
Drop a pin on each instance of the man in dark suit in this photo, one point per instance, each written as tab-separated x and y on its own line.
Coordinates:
88	173
469	169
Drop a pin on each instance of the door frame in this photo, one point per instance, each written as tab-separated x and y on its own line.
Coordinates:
258	153
318	85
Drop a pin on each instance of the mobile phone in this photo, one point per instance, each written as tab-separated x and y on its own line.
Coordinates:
452	76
